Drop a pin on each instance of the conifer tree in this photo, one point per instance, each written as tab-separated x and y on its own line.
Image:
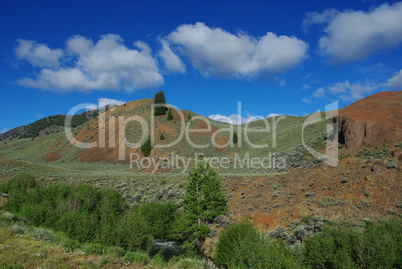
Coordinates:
204	201
160	100
169	115
147	147
235	138
189	117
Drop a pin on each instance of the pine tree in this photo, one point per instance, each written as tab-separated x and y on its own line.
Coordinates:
189	117
203	202
235	138
159	100
147	147
162	137
169	115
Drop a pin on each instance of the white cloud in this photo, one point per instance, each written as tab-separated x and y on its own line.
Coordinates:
108	101
105	102
355	35
106	65
271	115
171	61
344	90
38	54
352	92
305	86
315	17
395	82
237	119
4	130
319	93
216	52
79	45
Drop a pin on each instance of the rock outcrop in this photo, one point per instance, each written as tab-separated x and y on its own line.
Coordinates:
372	121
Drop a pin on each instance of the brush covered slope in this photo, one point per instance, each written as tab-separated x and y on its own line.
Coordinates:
372	121
366	184
114	136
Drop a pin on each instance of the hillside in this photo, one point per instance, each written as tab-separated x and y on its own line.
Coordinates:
286	141
365	185
372	121
47	125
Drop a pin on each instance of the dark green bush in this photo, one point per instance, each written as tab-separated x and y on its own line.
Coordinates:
132	232
376	246
331	249
83	213
161	218
243	246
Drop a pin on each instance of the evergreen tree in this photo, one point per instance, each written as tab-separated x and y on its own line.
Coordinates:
189	117
169	115
160	100
235	138
203	202
162	137
147	147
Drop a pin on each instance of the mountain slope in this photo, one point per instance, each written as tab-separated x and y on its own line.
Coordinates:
51	124
372	121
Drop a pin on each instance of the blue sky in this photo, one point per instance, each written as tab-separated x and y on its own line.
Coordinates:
282	57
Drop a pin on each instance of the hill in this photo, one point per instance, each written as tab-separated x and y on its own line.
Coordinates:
365	185
372	121
47	125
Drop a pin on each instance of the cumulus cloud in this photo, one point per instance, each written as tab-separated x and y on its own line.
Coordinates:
79	45
344	90
352	92
171	61
355	35
106	65
3	130
38	54
105	102
395	82
316	18
237	119
319	93
216	52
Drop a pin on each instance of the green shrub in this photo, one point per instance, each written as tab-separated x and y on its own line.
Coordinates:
372	245
43	235
83	213
332	249
132	232
188	263
18	229
70	244
92	248
118	251
140	257
161	218
243	246
380	245
19	183
7	218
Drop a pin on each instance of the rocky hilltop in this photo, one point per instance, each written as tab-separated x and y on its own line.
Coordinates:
372	121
